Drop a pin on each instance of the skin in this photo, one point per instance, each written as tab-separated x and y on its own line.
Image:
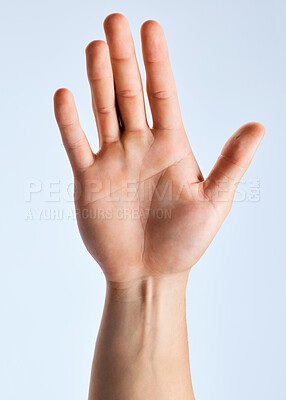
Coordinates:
145	212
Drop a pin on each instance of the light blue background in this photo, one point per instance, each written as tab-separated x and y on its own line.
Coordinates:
229	62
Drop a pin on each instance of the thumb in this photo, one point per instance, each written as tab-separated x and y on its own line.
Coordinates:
235	158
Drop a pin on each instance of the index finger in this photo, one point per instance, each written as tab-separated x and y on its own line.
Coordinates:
161	88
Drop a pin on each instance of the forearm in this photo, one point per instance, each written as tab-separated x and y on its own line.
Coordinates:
142	346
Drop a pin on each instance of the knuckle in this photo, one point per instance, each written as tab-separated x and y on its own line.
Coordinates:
105	109
162	95
129	93
74	145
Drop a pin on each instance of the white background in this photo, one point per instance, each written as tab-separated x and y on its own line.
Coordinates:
229	63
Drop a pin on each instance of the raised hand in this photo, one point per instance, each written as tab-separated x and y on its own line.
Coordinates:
143	206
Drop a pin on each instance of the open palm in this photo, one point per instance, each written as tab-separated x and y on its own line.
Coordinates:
143	206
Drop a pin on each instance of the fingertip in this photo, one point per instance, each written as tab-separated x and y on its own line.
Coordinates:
62	96
151	27
114	20
253	131
154	43
96	48
259	130
65	109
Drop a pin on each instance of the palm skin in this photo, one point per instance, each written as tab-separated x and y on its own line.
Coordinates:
143	206
153	206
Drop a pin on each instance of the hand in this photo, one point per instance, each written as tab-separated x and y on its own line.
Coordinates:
143	206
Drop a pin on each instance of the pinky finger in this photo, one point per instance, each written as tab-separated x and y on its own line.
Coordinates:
74	139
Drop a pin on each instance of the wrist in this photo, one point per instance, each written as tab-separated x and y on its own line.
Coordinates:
153	312
144	329
148	289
